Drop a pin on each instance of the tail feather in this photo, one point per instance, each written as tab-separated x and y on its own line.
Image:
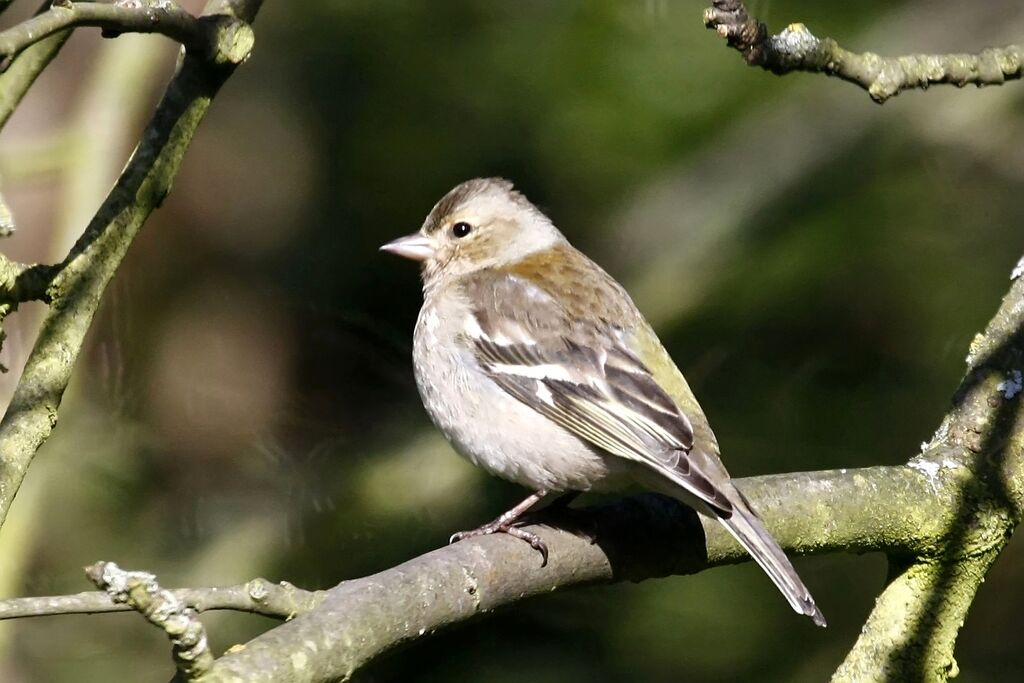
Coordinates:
744	525
742	522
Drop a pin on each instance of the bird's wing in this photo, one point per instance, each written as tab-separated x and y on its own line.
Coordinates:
582	375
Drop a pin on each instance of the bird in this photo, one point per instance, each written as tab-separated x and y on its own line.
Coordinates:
537	366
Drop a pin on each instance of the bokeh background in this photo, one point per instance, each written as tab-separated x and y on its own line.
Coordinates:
816	264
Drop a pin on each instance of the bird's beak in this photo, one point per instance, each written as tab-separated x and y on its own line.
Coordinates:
416	246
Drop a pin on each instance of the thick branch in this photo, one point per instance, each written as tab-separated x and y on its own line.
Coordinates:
76	290
259	596
952	508
165	18
797	49
634	539
912	631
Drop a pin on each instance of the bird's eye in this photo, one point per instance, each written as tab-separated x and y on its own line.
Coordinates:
461	229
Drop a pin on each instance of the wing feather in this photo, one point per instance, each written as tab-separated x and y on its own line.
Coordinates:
581	375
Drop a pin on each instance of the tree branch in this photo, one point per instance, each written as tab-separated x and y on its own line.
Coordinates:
903	510
141	592
797	49
633	539
942	517
911	633
21	282
143	16
259	596
22	73
76	289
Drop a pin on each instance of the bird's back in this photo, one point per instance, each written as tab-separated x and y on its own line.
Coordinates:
567	274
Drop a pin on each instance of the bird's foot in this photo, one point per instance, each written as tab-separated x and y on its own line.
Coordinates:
505	524
499	526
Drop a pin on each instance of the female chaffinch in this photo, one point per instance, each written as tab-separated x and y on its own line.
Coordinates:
537	366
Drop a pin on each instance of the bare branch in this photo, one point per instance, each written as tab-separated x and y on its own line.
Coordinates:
141	592
19	77
633	539
951	509
141	16
21	282
76	288
912	630
259	596
942	518
797	49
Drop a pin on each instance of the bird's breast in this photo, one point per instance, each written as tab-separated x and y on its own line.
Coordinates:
489	427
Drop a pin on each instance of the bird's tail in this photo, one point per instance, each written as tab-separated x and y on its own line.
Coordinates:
755	538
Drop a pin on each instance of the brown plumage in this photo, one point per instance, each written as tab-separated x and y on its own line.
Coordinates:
538	367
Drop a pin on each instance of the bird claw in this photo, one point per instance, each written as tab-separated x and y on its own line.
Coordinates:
462	535
486	530
533	539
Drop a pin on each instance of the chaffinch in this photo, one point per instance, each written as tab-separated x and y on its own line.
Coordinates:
537	366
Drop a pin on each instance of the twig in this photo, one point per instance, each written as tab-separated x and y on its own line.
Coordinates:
21	282
16	80
259	596
141	592
797	49
124	16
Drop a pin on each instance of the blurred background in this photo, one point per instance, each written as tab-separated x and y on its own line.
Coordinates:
817	265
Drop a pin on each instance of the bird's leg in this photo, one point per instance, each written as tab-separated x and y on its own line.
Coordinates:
505	524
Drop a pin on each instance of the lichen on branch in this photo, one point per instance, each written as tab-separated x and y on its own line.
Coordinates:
162	608
795	48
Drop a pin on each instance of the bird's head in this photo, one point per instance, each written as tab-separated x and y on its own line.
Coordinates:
482	223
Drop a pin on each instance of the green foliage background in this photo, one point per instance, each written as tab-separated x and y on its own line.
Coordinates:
816	264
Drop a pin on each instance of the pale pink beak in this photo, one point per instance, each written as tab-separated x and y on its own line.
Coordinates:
415	246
